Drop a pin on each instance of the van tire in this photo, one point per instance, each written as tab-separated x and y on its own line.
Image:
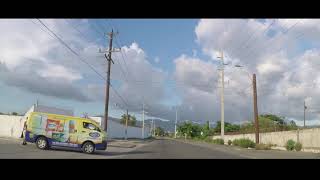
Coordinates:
88	147
42	143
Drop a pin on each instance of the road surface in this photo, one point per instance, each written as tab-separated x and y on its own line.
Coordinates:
12	149
156	149
180	149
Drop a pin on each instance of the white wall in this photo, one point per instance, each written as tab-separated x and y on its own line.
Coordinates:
117	130
309	138
12	126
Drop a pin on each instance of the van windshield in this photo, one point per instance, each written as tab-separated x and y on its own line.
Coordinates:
90	126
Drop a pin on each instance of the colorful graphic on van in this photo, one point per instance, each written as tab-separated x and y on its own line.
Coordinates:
55	125
52	125
72	126
94	134
60	137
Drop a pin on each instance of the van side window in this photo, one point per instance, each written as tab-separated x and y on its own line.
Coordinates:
90	126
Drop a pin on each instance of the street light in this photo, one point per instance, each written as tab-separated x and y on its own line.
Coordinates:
255	103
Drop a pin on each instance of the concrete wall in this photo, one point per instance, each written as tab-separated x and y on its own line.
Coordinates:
117	130
12	126
310	138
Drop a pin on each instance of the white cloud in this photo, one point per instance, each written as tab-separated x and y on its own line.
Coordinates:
58	71
286	75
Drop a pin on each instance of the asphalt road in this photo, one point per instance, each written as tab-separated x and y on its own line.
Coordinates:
12	149
156	149
180	149
170	149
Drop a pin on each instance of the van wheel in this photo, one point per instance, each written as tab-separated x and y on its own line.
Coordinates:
42	143
88	147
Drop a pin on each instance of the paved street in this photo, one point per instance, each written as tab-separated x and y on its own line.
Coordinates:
12	149
170	149
156	149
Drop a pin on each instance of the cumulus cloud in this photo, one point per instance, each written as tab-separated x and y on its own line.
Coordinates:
59	87
138	81
273	49
36	62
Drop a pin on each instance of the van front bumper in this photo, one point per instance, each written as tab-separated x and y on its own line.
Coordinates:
102	146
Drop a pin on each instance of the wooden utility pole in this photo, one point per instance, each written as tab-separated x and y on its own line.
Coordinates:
255	108
304	114
126	131
108	57
143	120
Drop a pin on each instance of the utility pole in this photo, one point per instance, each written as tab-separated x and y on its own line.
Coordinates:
151	127
126	131
108	57
222	95
175	124
255	108
304	113
143	120
154	128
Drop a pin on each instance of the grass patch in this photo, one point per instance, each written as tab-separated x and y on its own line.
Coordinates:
244	142
263	146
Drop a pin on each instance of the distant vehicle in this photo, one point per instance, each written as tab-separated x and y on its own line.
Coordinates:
48	130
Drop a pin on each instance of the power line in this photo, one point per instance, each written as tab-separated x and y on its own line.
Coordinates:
84	36
80	58
273	39
123	73
244	42
75	53
265	30
119	95
123	60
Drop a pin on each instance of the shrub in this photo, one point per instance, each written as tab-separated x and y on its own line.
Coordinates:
207	140
298	146
218	141
263	146
229	142
290	145
244	142
235	142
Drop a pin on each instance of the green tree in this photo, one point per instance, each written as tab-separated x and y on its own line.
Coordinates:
293	125
159	131
206	129
228	127
192	130
131	120
14	113
278	119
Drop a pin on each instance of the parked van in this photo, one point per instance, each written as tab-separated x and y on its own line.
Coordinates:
47	130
